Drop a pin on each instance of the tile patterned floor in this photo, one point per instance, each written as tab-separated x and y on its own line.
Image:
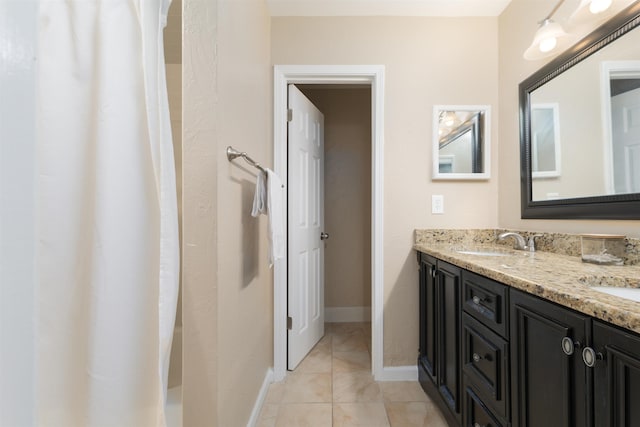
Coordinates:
333	387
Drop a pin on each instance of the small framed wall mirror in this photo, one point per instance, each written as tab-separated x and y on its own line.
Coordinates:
461	142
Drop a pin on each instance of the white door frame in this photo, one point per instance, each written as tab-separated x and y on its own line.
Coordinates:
373	75
627	69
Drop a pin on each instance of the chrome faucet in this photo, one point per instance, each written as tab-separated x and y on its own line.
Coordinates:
519	242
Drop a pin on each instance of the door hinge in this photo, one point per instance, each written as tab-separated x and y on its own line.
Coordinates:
289	115
289	323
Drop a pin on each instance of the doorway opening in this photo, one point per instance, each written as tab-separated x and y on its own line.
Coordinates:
345	221
373	78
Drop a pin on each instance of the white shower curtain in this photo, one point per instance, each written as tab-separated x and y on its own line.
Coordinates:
107	231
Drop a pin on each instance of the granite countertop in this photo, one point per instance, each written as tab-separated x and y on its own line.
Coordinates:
560	278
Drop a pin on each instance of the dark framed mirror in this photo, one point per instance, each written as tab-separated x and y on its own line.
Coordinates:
594	88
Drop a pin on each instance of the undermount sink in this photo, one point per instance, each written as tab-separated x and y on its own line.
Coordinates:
632	294
484	252
623	287
612	281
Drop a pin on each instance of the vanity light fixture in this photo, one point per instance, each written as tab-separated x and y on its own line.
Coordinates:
598	6
590	11
546	38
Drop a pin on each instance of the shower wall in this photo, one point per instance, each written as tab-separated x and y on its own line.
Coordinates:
17	212
173	59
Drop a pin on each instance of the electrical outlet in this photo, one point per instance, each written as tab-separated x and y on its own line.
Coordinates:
437	204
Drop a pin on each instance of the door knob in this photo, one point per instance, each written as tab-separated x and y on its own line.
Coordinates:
324	236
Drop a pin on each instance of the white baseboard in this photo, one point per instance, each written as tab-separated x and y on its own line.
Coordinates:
398	373
257	407
347	314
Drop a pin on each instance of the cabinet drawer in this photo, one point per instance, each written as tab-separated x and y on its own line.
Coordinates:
476	412
485	300
485	361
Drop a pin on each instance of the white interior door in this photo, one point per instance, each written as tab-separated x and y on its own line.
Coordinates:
305	225
625	126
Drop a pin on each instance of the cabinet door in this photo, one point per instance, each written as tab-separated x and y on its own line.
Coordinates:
449	321
549	387
427	358
616	377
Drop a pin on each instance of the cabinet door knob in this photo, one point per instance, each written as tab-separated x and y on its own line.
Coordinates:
567	346
589	357
476	300
476	357
478	425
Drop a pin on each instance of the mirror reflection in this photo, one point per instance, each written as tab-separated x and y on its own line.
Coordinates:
545	141
460	142
593	108
625	126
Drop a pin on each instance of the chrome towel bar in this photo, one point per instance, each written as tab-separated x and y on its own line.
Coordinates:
232	154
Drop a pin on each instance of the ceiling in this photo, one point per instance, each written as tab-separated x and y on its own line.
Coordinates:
387	7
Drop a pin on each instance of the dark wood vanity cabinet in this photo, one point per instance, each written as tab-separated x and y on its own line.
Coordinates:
440	317
569	369
427	356
485	352
549	380
616	376
448	312
495	356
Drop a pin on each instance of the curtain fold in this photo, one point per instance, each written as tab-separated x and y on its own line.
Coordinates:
107	252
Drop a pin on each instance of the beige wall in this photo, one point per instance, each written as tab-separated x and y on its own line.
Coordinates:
173	34
347	147
173	60
199	212
427	61
517	26
245	287
174	89
227	293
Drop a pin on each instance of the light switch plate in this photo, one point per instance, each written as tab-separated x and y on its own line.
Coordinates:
437	204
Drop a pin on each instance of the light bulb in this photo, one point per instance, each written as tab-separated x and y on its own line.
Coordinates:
547	44
450	118
598	6
546	40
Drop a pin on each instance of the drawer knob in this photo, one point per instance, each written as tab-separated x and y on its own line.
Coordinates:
476	357
478	425
476	299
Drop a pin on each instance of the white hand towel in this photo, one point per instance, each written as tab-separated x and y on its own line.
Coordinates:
275	209
259	198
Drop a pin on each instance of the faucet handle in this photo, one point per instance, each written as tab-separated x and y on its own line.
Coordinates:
519	242
531	244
